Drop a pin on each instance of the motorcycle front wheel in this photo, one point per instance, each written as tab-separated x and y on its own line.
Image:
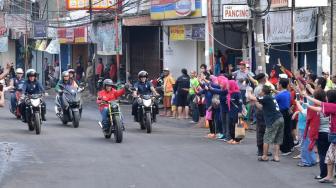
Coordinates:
118	133
75	119
37	122
148	122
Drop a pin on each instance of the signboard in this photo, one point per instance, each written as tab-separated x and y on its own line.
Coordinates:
278	26
279	3
40	29
104	35
187	32
177	32
309	3
95	4
235	12
73	35
173	9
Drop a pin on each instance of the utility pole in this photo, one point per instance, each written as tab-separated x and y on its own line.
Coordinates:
259	39
210	34
117	38
293	64
25	43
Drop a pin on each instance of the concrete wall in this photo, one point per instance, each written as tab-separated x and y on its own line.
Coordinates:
178	55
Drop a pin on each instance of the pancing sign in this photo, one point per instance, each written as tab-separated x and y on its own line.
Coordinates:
235	12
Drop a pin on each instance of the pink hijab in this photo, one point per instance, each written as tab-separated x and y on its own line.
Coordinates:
214	79
222	81
233	88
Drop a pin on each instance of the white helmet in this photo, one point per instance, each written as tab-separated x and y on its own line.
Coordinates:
19	71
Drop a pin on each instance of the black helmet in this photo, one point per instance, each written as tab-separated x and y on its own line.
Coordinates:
65	73
142	74
107	82
31	72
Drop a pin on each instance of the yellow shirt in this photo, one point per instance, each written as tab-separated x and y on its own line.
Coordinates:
168	83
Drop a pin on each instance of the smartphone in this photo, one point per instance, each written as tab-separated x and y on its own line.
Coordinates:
305	100
1	87
297	96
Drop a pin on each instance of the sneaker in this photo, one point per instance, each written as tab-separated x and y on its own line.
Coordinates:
286	154
219	136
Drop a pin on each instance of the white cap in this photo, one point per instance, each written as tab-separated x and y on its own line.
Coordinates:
283	76
19	71
166	69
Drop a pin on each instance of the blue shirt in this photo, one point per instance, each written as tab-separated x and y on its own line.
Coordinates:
32	87
208	95
143	88
283	100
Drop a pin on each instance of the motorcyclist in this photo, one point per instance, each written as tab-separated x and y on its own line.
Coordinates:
65	81
30	87
105	96
143	87
15	85
72	78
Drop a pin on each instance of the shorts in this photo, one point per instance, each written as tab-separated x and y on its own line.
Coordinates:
331	154
274	134
167	101
181	99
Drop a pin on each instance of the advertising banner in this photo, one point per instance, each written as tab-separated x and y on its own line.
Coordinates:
187	32
235	12
40	29
172	9
95	4
278	26
104	35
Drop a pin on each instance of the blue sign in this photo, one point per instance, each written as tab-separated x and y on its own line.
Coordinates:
40	29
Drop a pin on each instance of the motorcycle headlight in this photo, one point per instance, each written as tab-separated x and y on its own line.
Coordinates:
147	103
35	102
139	100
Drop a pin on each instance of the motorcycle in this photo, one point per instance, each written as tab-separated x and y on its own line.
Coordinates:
71	109
146	109
116	127
127	98
33	112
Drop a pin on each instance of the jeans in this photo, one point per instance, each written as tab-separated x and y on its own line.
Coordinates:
322	147
105	118
307	157
13	101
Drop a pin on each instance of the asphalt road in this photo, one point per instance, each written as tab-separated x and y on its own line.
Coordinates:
175	155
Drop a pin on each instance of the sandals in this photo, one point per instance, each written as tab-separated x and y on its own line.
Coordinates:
326	181
274	160
260	159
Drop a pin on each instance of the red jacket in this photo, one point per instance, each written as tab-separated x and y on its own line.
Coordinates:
312	127
108	96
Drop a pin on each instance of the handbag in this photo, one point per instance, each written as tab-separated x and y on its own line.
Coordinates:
332	138
208	115
240	130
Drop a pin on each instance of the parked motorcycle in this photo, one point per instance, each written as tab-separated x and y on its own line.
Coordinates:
116	127
146	111
34	111
71	109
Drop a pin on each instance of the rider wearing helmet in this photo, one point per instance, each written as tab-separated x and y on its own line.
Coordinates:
16	84
72	78
64	81
142	87
30	87
105	96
